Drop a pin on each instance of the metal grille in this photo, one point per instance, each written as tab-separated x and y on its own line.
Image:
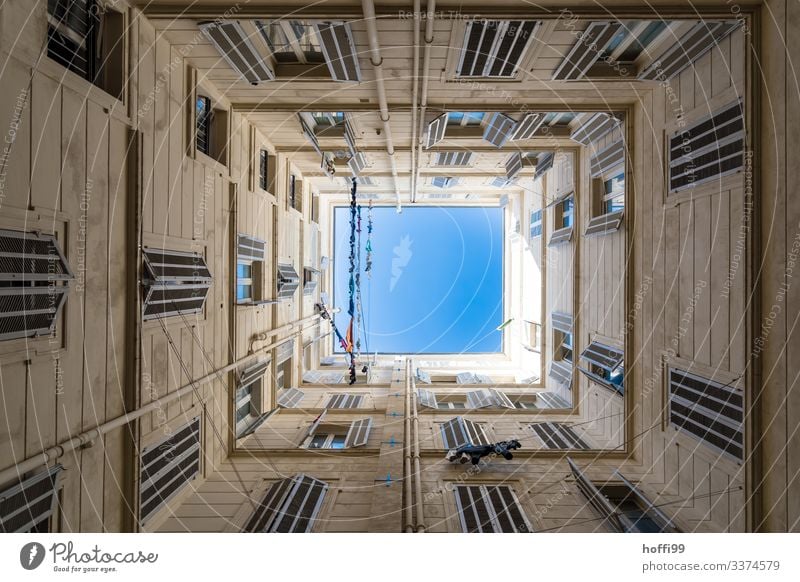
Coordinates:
490	509
27	506
708	410
167	467
710	148
608	159
71	35
604	224
700	39
289	506
528	126
233	44
586	50
499	129
555	435
494	48
595	127
30	311
336	42
27	257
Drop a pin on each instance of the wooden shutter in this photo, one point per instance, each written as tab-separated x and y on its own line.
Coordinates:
289	506
317	421
290	397
595	127
476	435
604	224
607	159
490	509
284	351
253	372
436	130
708	410
288	281
494	48
561	321
595	498
605	356
536	223
551	400
176	282
454	434
427	398
423	376
358	435
345	401
561	371
167	466
586	50
500	399
249	248
558	436
560	236
466	378
28	505
479	399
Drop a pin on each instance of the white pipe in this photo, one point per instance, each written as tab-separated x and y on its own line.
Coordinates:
368	8
408	477
426	63
414	97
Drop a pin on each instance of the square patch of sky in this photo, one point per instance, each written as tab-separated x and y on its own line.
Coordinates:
436	283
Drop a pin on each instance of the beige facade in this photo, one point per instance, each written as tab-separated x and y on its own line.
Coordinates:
231	417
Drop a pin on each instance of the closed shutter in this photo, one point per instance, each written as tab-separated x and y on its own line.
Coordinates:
490	509
708	410
501	400
290	397
479	399
558	436
289	506
167	466
358	435
27	506
427	398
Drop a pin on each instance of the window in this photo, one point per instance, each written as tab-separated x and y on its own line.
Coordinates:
345	401
605	365
708	410
451	402
249	398
176	283
708	149
249	269
494	48
167	466
460	431
564	211
295	198
490	509
609	203
614	194
283	375
27	506
536	223
88	38
204	114
34	282
338	437
555	435
288	281
623	507
309	280
289	506
264	178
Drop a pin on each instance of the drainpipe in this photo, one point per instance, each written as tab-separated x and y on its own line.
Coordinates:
420	506
408	477
89	438
414	96
426	63
368	7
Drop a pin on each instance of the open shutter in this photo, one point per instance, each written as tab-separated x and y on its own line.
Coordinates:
289	506
608	159
475	433
607	357
596	499
253	373
466	378
561	371
454	434
561	321
290	397
317	421
551	400
479	399
26	506
423	376
604	223
427	398
500	399
358	435
586	50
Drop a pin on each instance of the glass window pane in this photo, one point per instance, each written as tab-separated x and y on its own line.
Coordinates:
338	441
244	292
244	270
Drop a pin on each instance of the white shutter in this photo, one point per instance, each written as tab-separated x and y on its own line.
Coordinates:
427	398
476	435
358	435
482	379
479	399
317	421
465	378
423	376
501	400
290	397
453	433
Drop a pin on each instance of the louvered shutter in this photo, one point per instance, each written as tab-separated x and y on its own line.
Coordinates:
290	397
358	435
423	376
490	509
176	282
454	434
605	356
465	378
482	379
289	506
607	159
475	433
28	505
595	498
427	398
479	399
500	399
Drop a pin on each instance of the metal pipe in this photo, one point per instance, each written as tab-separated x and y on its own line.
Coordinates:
414	96
426	63
88	438
408	477
368	7
420	509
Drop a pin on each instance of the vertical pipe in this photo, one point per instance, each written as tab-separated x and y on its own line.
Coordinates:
420	509
414	97
426	63
407	475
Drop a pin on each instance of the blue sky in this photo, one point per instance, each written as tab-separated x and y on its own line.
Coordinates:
437	279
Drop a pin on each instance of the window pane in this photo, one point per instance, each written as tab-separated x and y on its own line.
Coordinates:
338	441
244	292
317	441
244	270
